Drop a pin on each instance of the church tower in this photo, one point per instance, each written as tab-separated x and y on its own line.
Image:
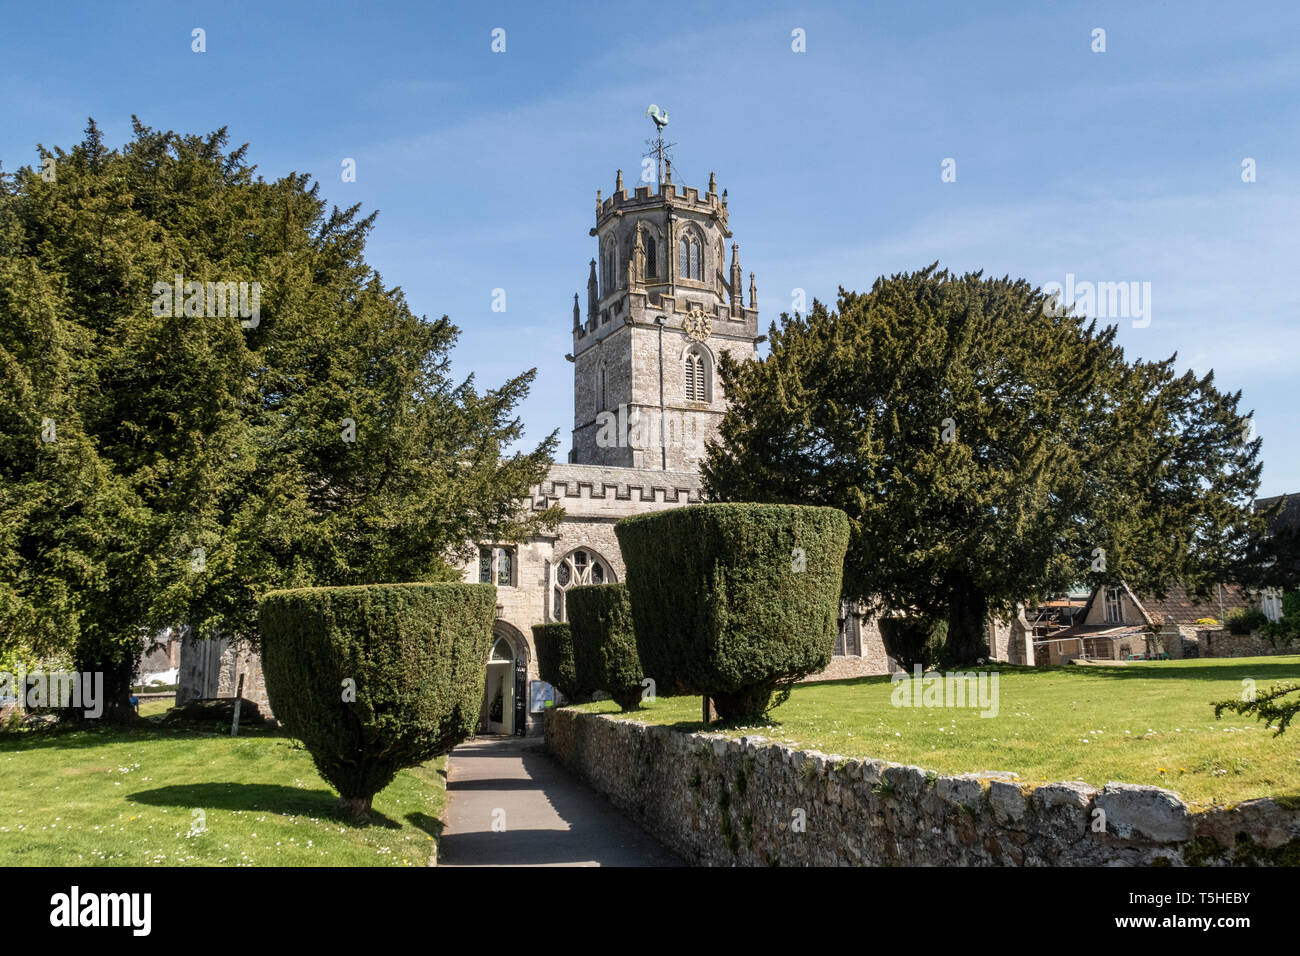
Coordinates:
662	306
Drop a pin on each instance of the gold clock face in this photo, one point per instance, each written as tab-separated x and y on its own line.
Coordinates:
696	325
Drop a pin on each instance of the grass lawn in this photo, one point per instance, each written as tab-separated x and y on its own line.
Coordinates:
128	797
1148	723
156	708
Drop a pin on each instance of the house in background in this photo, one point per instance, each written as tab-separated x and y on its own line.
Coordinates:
1039	625
1116	624
160	658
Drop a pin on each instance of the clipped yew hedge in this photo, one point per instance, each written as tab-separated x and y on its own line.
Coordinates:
604	642
414	654
733	600
555	665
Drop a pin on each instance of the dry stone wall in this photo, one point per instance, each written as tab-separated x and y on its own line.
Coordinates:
748	802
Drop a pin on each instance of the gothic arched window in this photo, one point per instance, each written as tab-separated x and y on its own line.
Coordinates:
696	373
651	258
579	567
600	389
688	258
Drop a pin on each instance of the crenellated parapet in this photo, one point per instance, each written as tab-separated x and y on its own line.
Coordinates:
666	196
661	254
589	490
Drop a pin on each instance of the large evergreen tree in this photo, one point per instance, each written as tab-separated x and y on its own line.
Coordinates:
164	465
988	450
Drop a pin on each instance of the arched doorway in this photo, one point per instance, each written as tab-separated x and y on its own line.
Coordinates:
504	707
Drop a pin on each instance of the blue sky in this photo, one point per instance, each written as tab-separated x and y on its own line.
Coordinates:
1117	166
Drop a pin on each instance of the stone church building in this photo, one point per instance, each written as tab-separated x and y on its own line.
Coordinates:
663	304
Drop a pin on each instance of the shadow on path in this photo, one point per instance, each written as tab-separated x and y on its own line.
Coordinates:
550	818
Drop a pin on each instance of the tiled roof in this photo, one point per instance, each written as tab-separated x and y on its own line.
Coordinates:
1180	606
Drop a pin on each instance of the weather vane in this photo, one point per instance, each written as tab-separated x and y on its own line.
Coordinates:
663	162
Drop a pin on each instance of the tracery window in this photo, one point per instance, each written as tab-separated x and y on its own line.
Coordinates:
582	566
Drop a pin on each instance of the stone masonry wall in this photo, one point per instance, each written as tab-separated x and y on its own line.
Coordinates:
1223	643
240	659
725	802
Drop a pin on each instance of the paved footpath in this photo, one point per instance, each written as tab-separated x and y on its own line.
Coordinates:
551	818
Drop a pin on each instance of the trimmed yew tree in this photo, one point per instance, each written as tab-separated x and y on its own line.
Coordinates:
604	642
732	601
376	678
555	665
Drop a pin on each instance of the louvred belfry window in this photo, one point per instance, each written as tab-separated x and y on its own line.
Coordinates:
696	384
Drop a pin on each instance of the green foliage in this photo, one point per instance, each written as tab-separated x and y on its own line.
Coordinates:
1273	706
604	642
555	665
1291	606
199	459
414	654
1288	625
1276	555
985	448
1246	621
733	600
16	659
1285	631
914	640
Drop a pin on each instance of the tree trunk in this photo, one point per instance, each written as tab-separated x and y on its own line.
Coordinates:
117	692
358	808
116	700
967	619
747	704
